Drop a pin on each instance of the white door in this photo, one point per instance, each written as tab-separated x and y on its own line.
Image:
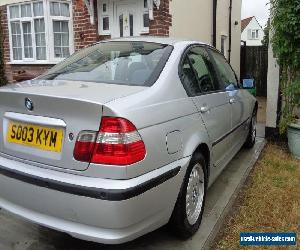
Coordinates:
126	20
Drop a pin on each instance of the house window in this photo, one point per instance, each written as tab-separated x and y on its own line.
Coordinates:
40	31
146	19
104	18
254	34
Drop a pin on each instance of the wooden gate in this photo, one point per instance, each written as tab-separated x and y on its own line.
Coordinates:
254	62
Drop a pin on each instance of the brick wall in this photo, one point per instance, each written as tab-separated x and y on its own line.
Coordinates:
160	26
6	51
84	34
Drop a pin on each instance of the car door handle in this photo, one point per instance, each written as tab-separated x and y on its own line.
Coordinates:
231	100
204	109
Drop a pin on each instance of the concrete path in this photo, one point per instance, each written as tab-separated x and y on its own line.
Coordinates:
16	234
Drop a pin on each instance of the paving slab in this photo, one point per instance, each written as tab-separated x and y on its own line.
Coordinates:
17	234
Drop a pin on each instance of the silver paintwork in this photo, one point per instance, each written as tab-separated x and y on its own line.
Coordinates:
171	124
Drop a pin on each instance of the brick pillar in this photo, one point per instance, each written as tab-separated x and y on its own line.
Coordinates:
160	26
6	52
84	32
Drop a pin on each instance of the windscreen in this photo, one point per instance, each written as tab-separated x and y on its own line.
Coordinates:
126	63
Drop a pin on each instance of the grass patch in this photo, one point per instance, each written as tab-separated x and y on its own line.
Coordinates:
269	202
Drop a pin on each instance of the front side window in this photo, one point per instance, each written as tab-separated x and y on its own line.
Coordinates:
197	73
227	75
125	63
39	30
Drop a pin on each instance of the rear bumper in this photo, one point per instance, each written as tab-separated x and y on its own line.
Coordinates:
94	209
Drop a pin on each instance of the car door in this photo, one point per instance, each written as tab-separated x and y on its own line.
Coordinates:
237	99
201	83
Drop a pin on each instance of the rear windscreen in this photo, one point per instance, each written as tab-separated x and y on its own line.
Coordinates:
127	63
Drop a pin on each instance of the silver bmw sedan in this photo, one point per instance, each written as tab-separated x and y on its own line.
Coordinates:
122	138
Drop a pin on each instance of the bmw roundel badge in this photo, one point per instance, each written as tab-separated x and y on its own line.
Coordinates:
28	104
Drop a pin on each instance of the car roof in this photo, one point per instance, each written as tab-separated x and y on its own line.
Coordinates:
157	39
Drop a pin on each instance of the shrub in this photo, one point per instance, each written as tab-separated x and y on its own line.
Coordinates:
286	46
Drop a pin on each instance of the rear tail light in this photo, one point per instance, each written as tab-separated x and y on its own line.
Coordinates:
116	143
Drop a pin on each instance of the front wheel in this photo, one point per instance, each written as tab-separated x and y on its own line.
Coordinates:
188	211
250	142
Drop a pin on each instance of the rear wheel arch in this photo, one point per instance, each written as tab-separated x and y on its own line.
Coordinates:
205	151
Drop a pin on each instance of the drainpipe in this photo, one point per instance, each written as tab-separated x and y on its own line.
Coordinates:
215	3
230	30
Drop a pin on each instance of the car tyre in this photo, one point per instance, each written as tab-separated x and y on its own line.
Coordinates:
250	142
184	223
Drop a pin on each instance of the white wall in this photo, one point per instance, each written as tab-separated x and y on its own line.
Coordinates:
253	25
193	19
272	88
223	30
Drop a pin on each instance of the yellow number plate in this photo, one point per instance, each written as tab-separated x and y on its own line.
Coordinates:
43	138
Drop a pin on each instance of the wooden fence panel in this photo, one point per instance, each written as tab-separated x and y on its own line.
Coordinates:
254	62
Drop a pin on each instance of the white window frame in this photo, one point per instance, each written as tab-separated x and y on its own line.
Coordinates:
49	36
101	15
145	30
255	34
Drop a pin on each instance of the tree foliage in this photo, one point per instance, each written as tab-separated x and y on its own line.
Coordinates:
2	71
266	38
286	46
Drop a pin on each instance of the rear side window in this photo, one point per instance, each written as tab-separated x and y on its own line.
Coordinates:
226	73
197	72
126	63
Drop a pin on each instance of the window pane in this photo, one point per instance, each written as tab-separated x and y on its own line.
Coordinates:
145	3
61	38
39	28
66	51
203	68
57	40
188	78
226	72
17	54
64	7
14	11
65	27
105	23
125	63
39	25
15	28
121	25
56	26
16	40
38	9
41	53
104	7
26	10
146	20
65	39
57	52
131	24
54	9
27	38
